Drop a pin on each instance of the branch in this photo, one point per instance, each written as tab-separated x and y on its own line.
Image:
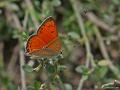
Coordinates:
100	23
105	54
16	23
75	5
32	13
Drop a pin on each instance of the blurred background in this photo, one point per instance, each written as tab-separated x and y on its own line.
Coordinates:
90	35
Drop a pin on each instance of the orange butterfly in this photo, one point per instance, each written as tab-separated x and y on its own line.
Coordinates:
45	43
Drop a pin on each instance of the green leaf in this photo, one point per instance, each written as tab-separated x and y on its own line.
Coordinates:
27	68
61	68
103	63
68	86
116	2
74	35
11	86
31	88
56	2
101	71
37	85
82	69
25	36
50	68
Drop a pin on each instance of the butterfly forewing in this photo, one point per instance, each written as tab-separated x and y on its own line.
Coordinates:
48	31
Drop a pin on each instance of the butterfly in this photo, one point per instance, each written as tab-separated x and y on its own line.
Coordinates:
45	42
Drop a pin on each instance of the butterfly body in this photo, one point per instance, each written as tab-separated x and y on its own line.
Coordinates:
45	43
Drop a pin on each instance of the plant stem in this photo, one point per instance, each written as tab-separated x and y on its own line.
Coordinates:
105	54
61	83
18	25
75	5
32	12
94	19
23	82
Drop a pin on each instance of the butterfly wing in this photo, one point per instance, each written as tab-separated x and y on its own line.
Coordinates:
34	43
46	41
48	30
50	50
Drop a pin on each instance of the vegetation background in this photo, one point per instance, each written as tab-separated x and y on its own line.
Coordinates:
90	35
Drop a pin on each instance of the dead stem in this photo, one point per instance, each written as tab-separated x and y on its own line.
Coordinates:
32	13
23	82
105	54
87	45
102	46
61	83
11	64
1	54
100	23
16	23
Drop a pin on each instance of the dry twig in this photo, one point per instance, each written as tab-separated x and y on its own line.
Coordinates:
75	5
100	23
16	23
105	54
31	11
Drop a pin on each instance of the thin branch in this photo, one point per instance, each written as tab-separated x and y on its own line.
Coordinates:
60	83
23	82
105	54
75	5
25	20
13	60
18	25
1	54
32	13
106	27
93	18
113	85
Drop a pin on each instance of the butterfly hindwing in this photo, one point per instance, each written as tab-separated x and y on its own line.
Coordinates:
50	50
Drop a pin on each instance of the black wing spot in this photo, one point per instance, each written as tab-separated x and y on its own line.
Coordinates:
41	28
52	31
